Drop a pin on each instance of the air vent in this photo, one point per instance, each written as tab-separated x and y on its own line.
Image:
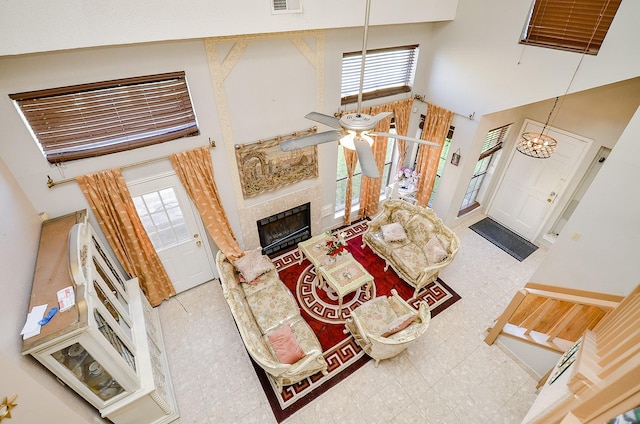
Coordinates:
286	6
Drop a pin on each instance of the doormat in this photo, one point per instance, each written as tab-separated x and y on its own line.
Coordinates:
518	247
320	309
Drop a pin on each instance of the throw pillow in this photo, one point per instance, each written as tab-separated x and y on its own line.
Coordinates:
434	250
401	215
399	324
285	345
393	232
253	264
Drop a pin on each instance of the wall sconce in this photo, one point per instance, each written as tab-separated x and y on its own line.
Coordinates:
455	158
6	406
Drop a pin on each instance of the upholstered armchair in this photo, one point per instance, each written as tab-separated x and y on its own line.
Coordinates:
385	326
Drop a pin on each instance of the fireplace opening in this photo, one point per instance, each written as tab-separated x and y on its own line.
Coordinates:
285	229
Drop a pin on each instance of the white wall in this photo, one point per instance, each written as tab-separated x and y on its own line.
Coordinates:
35	26
604	257
477	65
46	400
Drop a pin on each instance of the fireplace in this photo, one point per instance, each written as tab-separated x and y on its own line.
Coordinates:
285	229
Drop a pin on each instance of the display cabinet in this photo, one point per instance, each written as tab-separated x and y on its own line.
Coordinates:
108	346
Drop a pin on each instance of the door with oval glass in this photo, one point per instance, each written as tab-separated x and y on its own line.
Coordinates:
175	229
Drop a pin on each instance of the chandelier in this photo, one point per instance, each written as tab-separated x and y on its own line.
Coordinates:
538	144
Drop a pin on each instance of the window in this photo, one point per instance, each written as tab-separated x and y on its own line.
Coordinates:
492	144
341	178
573	25
387	72
99	118
162	218
441	164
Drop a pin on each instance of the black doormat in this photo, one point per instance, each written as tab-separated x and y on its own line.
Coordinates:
504	238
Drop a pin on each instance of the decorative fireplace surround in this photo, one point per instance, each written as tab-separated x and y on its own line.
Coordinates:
250	215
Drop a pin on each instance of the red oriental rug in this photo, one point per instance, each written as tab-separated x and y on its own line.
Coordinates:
319	307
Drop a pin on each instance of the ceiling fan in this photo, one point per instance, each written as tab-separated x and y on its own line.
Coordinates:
353	130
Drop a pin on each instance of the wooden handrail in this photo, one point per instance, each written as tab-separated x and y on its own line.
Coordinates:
551	317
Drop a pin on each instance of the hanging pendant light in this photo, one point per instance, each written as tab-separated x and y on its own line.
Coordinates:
538	145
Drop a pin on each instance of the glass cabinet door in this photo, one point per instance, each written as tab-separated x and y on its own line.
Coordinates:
91	373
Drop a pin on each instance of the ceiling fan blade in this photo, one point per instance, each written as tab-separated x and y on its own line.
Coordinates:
366	158
404	137
310	140
330	121
381	116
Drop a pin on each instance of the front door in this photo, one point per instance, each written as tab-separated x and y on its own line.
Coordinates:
529	188
175	229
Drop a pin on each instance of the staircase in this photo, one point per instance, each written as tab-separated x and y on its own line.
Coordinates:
551	317
603	379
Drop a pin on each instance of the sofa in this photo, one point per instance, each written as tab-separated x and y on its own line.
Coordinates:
412	240
268	318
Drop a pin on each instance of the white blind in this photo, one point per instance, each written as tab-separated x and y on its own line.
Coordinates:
386	71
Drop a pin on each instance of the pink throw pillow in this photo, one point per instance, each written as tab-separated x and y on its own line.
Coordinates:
435	251
253	264
399	324
285	345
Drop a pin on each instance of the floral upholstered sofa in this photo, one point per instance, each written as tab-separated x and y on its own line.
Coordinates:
268	318
413	240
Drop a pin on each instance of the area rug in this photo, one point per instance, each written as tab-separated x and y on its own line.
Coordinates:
518	247
319	307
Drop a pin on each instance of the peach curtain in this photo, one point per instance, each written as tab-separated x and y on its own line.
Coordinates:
351	160
370	187
109	198
195	170
402	113
436	127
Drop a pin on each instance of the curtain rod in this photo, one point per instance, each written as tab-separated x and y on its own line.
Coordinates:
51	183
471	116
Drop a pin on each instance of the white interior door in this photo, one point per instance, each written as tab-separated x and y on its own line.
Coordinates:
175	229
529	188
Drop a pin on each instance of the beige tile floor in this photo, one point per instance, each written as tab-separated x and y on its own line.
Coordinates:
449	376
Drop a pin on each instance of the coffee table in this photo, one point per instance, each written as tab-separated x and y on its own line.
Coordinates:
345	277
341	272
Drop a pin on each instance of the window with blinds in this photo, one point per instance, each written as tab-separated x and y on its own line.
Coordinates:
387	72
492	144
573	25
88	120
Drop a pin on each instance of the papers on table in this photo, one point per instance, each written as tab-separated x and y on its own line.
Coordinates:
31	327
66	298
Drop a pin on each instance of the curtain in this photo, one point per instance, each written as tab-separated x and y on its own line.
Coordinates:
109	198
370	187
195	170
402	113
351	160
436	127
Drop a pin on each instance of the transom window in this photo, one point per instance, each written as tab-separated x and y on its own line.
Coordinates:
387	72
100	118
574	25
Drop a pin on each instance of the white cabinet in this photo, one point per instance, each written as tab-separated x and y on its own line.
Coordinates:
108	347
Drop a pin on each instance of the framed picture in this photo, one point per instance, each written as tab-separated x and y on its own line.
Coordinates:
264	167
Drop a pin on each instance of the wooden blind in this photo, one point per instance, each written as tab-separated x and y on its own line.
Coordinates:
387	71
96	119
574	25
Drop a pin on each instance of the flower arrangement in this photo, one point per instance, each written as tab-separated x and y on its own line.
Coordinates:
407	177
336	247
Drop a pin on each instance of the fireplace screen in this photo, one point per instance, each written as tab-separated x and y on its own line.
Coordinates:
282	230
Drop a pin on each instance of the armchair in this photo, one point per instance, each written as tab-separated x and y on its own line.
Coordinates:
370	324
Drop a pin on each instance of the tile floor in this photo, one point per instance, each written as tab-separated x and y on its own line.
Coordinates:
449	376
